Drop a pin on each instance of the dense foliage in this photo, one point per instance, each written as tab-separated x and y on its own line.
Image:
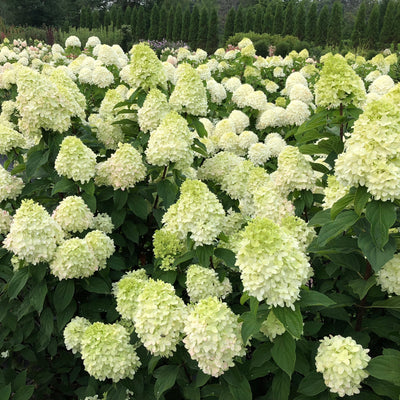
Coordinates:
218	227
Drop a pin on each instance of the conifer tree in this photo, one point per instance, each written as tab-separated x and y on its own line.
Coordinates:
89	24
107	20
140	29
249	21
322	26
83	18
300	22
177	27
268	23
212	38
162	28
359	29
334	35
120	18
154	22
288	26
373	26
311	24
170	23
239	20
396	30
258	21
229	29
278	18
203	29
382	11
134	22
386	35
127	15
185	25
113	15
95	20
194	27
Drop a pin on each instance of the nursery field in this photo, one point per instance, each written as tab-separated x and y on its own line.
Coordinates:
194	226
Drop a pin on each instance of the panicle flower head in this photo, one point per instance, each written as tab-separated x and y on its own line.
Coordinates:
167	246
381	85
299	229
213	336
102	222
388	276
10	186
275	143
216	90
271	264
189	94
72	41
333	191
5	222
73	333
259	153
272	327
159	317
204	282
107	353
240	120
297	113
342	363
34	235
102	77
75	160
122	170
246	139
73	215
197	211
101	245
9	138
107	133
241	94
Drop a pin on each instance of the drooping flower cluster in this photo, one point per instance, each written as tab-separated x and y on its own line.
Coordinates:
342	362
204	282
272	327
102	222
388	276
5	222
213	336
167	246
73	333
10	186
271	264
122	170
34	235
198	212
9	138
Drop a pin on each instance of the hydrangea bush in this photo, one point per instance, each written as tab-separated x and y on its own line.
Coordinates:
216	226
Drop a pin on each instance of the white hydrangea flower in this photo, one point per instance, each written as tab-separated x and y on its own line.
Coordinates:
102	77
259	153
102	222
216	90
73	215
297	113
10	186
204	282
5	222
167	246
302	93
9	138
273	117
342	362
272	327
389	276
101	245
299	229
275	143
75	160
271	264
92	41
241	94
107	133
246	139
333	192
231	84
107	353
271	86
107	55
72	41
381	85
159	317
34	235
258	101
240	120
213	336
73	333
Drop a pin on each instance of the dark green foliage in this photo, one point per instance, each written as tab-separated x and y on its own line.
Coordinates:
95	19
177	28
239	20
258	20
127	15
300	23
194	26
372	34
83	18
154	22
278	18
185	25
322	26
140	29
134	22
229	29
107	19
396	28
203	29
268	22
212	38
250	19
89	21
311	24
170	23
162	28
288	26
113	14
334	35
382	11
120	18
359	30
389	22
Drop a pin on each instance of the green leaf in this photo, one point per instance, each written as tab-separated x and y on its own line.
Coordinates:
392	302
95	284
183	258
18	282
90	200
386	368
341	204
228	256
321	218
312	384
24	393
120	198
280	386
167	191
152	364
361	199
381	215
383	388
284	352
131	231
64	185
191	393
139	206
36	160
63	294
251	325
204	254
343	221
310	298
117	392
88	187
378	258
201	378
118	217
362	286
5	392
292	320
165	379
239	386
37	296
196	124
